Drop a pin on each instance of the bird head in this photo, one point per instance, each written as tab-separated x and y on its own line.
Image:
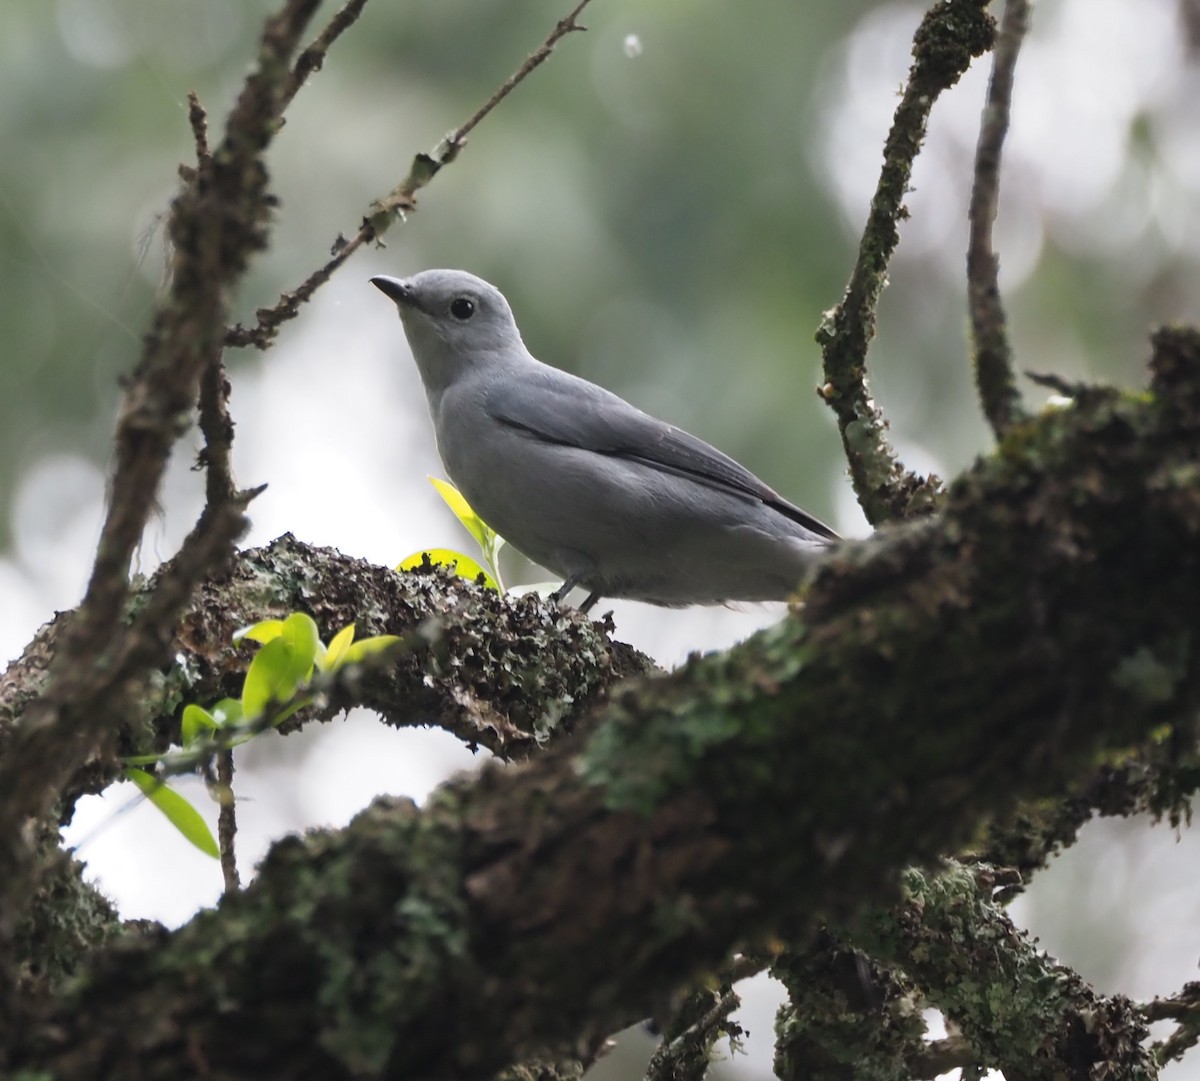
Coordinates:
454	322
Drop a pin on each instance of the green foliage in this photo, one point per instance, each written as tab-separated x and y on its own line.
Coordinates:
460	564
291	650
198	722
490	542
286	660
180	813
195	720
357	652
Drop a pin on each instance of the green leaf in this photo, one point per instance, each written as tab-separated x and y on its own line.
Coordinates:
181	814
476	526
462	565
367	647
281	666
262	632
273	675
226	712
490	542
336	650
196	720
304	636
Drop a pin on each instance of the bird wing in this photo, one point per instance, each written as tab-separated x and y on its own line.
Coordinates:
556	407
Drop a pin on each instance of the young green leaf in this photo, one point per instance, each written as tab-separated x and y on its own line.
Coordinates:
302	633
196	720
226	712
276	672
180	813
490	542
261	632
455	500
462	565
335	652
367	647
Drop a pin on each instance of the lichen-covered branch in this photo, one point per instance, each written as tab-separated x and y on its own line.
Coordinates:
849	1016
939	673
499	673
950	35
505	675
1160	780
1021	1011
1183	1007
994	376
949	945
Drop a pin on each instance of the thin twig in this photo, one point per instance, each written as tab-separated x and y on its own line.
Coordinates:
148	635
565	26
994	375
262	335
312	57
950	35
402	199
227	822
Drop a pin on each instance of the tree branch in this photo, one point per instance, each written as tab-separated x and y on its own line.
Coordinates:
1022	1012
708	808
994	374
217	221
502	674
849	1016
950	35
227	822
1184	1008
1159	780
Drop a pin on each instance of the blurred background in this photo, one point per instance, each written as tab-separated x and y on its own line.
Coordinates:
669	204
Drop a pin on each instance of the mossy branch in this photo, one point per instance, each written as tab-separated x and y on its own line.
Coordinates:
940	672
949	37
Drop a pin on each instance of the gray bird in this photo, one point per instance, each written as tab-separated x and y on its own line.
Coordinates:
578	479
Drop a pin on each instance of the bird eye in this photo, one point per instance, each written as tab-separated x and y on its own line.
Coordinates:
462	308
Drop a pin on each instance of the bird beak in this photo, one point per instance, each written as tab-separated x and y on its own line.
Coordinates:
396	288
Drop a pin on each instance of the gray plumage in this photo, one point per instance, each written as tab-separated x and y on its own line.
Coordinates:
578	479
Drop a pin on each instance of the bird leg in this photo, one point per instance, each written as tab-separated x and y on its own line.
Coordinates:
560	594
